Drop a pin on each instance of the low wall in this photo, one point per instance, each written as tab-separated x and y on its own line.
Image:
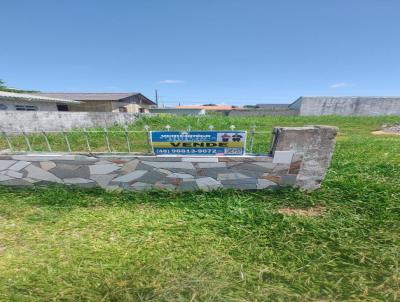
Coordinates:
300	158
11	121
177	111
263	112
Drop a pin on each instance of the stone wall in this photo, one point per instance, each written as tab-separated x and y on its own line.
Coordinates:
11	121
300	158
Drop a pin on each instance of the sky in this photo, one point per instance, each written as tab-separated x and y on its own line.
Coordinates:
203	51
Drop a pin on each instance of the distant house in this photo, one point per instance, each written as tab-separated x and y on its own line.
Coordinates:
33	102
352	105
131	102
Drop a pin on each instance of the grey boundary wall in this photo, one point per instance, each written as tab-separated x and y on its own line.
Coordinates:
14	121
359	106
300	158
264	112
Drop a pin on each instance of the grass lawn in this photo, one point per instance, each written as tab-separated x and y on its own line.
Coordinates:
60	244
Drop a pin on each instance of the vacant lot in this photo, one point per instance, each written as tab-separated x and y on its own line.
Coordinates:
338	243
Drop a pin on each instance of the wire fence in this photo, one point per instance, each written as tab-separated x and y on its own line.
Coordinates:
119	139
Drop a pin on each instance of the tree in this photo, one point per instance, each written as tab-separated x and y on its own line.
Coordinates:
3	87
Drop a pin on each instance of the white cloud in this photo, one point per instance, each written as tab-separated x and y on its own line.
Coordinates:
340	85
171	82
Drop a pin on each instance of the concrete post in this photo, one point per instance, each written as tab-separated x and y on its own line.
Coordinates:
313	148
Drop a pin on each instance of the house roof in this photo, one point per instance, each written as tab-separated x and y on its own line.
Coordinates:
216	107
34	98
96	96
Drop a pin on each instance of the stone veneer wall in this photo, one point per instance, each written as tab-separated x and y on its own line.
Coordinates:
290	165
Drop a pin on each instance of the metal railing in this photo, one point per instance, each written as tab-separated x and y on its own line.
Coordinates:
106	140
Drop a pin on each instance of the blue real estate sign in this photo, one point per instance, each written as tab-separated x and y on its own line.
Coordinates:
218	143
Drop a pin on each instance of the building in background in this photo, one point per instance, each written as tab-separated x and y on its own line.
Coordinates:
132	102
354	105
33	102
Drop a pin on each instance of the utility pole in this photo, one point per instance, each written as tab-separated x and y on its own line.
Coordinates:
157	97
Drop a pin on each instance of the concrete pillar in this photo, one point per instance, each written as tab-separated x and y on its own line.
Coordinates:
313	148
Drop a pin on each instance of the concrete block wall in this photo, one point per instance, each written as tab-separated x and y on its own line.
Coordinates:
359	106
12	121
300	158
264	112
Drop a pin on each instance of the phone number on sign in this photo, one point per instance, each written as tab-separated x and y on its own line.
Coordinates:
185	151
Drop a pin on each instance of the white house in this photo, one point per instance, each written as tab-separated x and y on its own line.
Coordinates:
132	102
33	102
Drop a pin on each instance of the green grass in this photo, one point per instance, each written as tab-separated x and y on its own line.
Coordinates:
63	244
138	138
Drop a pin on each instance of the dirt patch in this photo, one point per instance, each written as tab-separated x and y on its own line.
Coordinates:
393	129
310	212
381	132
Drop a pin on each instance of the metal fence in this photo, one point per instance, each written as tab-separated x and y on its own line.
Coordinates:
105	140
